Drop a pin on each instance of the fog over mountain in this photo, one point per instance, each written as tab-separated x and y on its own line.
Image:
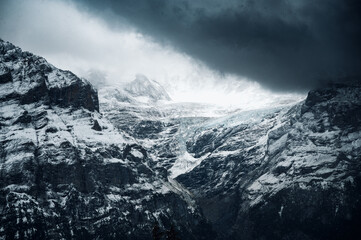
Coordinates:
73	37
189	119
287	45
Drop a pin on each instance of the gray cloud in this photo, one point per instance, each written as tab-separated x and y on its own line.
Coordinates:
283	44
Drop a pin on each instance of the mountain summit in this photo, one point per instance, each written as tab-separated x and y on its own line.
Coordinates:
141	86
75	167
67	173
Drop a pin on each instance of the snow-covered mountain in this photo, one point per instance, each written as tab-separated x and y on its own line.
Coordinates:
290	172
149	89
73	166
137	92
67	173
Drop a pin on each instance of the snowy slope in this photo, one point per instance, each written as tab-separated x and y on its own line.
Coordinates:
66	172
292	174
288	172
73	166
143	87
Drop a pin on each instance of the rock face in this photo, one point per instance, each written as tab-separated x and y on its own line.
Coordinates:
67	173
29	79
282	173
70	172
289	175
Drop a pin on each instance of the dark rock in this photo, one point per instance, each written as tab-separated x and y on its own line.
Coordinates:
51	130
35	94
257	193
320	95
76	95
6	77
96	126
57	184
148	129
24	118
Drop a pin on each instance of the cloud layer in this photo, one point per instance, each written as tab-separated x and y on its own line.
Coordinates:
282	44
81	41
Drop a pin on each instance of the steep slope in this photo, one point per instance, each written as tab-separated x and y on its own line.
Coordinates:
161	127
291	174
143	87
288	172
140	91
67	173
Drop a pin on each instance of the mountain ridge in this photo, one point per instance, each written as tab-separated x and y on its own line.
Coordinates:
67	173
78	163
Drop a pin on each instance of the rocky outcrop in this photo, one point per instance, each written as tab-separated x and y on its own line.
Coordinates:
77	94
283	173
30	79
5	76
289	175
67	173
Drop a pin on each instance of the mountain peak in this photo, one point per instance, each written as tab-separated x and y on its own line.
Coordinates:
142	79
141	86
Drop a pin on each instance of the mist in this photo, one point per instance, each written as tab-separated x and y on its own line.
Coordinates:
83	42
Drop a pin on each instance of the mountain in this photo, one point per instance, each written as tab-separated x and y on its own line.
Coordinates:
82	164
291	174
67	173
143	87
140	91
278	173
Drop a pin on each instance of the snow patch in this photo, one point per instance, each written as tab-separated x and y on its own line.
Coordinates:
184	163
136	153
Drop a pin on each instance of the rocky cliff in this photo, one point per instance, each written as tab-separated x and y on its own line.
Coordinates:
292	174
278	173
67	173
75	167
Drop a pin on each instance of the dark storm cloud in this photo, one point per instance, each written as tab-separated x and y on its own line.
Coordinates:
282	44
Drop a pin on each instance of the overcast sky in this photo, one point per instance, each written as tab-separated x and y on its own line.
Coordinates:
198	49
283	44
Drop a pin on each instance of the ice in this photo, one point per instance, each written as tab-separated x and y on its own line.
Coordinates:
278	144
268	179
136	153
114	197
184	164
115	160
280	211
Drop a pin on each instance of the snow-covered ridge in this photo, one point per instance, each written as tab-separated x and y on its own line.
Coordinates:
66	172
303	161
141	86
30	78
290	172
140	91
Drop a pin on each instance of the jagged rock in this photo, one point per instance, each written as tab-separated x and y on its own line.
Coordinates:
36	80
24	118
5	77
78	94
293	175
59	179
96	126
282	173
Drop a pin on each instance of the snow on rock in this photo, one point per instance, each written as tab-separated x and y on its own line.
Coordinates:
263	169
63	178
184	164
136	153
